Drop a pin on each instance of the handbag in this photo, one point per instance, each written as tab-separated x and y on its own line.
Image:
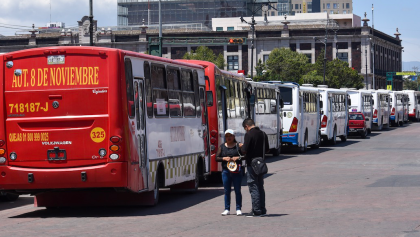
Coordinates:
258	164
233	166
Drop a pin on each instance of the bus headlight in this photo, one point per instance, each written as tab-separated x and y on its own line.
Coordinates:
114	156
2	160
13	156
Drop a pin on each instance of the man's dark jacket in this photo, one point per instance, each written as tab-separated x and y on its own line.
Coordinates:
253	145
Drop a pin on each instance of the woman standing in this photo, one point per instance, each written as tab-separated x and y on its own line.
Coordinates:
228	154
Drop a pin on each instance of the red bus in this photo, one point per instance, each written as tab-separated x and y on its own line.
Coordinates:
231	94
100	124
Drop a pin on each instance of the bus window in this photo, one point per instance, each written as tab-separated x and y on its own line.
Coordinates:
219	95
237	100
129	86
273	102
160	94
202	101
136	102
174	92
286	95
188	95
232	108
148	89
197	94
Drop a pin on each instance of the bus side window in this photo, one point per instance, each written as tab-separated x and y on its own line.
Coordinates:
160	93
237	99
197	94
273	102
174	91
148	90
219	82
188	94
232	108
202	104
129	85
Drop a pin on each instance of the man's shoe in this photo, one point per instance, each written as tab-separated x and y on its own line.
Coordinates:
252	214
225	213
238	212
263	214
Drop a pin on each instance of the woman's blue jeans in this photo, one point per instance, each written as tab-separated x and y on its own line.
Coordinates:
235	179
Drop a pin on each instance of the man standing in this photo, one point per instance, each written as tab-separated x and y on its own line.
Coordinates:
253	147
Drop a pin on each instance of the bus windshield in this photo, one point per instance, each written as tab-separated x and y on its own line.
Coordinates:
286	95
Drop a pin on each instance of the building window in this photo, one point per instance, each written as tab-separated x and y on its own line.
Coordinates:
296	6
230	28
331	12
347	5
328	5
219	28
344	12
300	6
335	5
233	62
323	5
343	57
265	58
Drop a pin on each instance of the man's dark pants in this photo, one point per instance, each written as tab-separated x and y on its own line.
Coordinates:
256	189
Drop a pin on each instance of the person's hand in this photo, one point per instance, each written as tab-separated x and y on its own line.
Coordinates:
226	158
240	145
235	158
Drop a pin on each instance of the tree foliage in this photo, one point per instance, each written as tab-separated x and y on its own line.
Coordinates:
205	54
410	85
286	65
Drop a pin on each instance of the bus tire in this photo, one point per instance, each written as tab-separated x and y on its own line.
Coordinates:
276	151
153	196
318	142
333	140
304	148
343	138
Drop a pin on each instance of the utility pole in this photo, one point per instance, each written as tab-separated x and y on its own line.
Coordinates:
91	22
373	50
160	28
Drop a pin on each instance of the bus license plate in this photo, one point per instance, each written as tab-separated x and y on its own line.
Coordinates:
56	154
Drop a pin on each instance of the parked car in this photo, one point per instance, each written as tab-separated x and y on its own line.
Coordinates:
357	124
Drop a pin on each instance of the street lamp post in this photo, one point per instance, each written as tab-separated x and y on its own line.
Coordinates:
334	27
252	25
366	51
91	22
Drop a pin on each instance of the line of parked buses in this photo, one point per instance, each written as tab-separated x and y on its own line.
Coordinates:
113	127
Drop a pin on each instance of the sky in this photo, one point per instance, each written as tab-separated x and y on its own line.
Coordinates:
388	15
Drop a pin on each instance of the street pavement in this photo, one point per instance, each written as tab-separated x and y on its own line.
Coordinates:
362	187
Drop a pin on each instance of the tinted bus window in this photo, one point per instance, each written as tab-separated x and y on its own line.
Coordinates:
160	94
188	95
148	89
174	91
197	94
286	95
129	86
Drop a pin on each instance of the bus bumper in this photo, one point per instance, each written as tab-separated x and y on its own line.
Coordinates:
99	176
392	117
412	115
375	120
290	138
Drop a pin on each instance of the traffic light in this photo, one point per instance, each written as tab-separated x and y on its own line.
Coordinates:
236	41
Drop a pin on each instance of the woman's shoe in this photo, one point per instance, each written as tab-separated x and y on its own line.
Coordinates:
225	213
238	212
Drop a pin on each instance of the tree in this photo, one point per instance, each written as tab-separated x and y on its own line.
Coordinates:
261	69
410	85
205	54
286	65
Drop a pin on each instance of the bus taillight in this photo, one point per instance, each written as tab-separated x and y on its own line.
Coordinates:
294	125
393	111
324	121
375	113
115	139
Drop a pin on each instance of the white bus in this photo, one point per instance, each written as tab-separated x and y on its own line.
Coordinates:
397	108
334	113
301	116
267	113
361	101
405	102
380	108
414	104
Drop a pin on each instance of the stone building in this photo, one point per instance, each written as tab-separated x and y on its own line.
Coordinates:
355	43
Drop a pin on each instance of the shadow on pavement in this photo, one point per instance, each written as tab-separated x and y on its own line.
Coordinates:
21	201
342	144
169	202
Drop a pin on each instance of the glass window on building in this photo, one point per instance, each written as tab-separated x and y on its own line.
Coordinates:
233	62
265	58
343	57
300	6
331	12
296	6
219	28
328	5
347	5
335	5
230	28
344	12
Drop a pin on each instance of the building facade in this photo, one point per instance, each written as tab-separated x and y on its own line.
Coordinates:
355	44
328	6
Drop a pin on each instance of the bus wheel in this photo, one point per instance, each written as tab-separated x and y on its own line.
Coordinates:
343	138
333	140
318	142
304	148
276	151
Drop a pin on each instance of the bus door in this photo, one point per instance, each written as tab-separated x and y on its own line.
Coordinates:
205	129
140	122
302	123
330	114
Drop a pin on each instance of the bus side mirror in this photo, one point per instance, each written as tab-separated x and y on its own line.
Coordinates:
209	97
373	102
281	103
349	102
321	104
252	100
